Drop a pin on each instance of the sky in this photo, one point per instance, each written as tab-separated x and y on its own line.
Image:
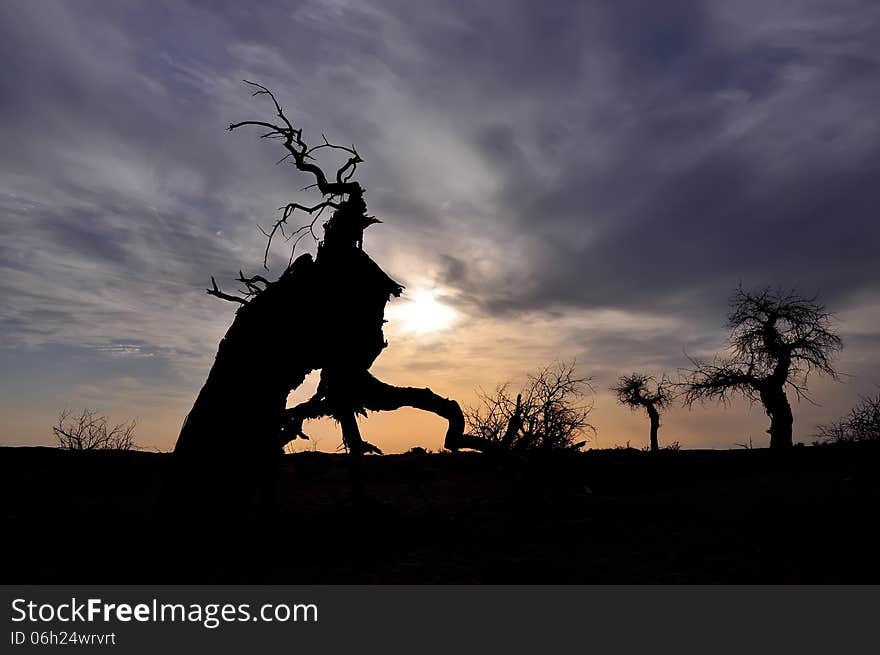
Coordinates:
557	180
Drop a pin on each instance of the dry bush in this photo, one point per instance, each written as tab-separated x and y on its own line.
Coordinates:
550	412
89	430
861	424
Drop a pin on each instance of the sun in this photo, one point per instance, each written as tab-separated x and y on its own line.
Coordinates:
422	313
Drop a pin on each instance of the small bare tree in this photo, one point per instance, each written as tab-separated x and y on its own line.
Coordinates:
550	412
642	390
777	339
861	424
89	430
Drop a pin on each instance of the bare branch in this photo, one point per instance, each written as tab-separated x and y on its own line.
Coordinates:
286	212
302	156
717	381
299	150
642	390
224	296
252	284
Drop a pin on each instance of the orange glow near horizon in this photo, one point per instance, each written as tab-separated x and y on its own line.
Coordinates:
431	345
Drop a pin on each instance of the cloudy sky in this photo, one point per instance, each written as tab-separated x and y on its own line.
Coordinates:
583	179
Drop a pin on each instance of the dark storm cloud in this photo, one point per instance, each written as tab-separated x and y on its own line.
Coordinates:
542	157
726	151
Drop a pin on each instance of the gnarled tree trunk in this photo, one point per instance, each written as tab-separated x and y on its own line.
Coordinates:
654	415
778	409
240	408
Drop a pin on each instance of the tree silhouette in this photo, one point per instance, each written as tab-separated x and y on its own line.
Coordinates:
642	390
322	313
777	339
549	413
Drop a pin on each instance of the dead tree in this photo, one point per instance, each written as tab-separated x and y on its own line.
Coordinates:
640	390
322	313
777	339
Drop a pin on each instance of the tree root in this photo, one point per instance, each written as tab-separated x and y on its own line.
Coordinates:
373	394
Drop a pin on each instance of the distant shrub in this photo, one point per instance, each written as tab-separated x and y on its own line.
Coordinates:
861	424
89	430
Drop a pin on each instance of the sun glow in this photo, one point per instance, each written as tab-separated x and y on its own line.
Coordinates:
422	313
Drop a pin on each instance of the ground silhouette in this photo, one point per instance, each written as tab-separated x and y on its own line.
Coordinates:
802	515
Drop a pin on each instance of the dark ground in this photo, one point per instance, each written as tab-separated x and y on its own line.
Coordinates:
620	516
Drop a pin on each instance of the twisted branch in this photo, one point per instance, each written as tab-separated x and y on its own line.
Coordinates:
303	159
224	296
